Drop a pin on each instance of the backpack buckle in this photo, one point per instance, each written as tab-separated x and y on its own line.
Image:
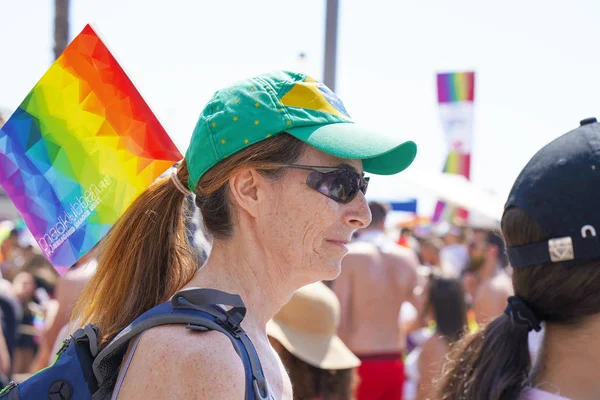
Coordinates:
232	323
260	388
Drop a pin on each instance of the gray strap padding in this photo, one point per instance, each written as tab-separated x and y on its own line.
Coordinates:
93	339
205	297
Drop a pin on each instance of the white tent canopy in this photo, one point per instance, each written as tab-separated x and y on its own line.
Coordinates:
450	188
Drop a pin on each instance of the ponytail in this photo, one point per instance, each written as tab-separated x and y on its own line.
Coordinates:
495	363
145	258
491	364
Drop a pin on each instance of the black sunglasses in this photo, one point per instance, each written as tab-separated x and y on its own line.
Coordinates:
337	183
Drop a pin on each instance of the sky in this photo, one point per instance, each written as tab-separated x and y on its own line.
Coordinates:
536	63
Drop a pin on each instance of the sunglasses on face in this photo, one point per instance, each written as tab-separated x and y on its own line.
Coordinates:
339	184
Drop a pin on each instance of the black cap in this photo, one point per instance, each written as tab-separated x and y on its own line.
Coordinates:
560	190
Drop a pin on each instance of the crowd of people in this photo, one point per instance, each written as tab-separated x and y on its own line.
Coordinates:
382	329
339	306
35	302
406	300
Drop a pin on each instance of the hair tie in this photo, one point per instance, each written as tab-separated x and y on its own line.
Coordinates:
180	186
522	314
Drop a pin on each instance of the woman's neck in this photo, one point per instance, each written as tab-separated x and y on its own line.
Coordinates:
243	268
568	362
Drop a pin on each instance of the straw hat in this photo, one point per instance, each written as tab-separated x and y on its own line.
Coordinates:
306	326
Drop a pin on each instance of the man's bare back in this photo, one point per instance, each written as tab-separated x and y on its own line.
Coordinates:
374	282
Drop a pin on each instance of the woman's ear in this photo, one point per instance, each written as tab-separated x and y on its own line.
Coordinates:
246	188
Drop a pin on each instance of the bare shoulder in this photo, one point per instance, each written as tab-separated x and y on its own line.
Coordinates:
360	253
490	298
500	285
405	255
174	362
434	350
430	361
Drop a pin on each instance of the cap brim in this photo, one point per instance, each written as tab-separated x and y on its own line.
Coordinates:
381	154
325	352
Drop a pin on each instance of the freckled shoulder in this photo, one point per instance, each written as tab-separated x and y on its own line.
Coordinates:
174	362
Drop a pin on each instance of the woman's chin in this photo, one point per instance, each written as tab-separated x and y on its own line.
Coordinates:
324	271
331	271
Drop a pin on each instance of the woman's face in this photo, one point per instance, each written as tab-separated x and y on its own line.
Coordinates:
308	230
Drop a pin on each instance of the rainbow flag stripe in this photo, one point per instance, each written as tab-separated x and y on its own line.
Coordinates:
79	149
456	86
458	163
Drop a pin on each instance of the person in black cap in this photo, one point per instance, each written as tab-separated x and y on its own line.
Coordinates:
551	225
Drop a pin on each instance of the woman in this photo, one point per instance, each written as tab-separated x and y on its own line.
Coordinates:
303	333
550	225
442	301
277	168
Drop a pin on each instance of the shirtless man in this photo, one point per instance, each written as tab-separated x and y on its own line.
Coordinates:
495	284
377	277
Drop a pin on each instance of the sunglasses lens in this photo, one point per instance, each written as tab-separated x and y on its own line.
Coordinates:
364	184
341	185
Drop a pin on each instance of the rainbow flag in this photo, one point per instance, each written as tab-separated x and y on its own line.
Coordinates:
79	149
456	93
456	86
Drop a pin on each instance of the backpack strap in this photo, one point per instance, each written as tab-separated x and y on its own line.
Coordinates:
198	309
206	299
230	320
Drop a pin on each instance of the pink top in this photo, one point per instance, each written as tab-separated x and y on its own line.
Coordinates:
537	394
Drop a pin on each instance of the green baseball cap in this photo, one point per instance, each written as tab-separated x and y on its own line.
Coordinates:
258	108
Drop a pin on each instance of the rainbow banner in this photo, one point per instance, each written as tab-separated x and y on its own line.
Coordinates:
79	149
456	93
456	87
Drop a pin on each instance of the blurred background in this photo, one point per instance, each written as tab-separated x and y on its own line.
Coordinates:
534	65
478	86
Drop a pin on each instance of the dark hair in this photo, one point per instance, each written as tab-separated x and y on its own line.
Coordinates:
494	238
146	257
378	212
311	382
495	363
447	299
